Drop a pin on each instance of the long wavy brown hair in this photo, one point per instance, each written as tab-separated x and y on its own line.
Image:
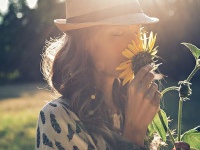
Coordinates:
68	69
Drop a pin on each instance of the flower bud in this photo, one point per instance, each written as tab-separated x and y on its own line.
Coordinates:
182	145
198	63
184	89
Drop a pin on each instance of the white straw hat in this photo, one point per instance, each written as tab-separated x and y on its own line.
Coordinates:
87	13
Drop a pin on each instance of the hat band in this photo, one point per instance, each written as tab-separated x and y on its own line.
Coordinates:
106	13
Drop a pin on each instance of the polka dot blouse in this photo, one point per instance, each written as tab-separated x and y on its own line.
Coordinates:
59	128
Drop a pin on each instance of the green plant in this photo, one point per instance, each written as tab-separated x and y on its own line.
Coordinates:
160	122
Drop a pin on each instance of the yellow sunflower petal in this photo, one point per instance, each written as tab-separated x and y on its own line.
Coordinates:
132	76
128	78
154	52
124	65
127	53
131	47
140	47
125	72
144	41
150	41
136	48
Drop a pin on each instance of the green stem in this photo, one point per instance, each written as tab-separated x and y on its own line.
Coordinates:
180	109
180	118
192	73
169	89
160	116
171	136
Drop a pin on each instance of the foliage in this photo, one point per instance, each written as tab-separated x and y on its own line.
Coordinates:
157	125
192	137
194	50
22	35
23	32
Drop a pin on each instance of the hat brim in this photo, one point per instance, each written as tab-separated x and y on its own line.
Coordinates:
138	18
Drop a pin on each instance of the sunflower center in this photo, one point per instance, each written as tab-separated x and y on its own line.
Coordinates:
140	60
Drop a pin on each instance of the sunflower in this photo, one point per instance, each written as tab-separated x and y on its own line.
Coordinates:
139	53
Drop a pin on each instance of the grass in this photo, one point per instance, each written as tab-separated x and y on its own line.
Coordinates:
19	108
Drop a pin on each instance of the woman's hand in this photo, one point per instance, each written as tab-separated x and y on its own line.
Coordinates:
142	105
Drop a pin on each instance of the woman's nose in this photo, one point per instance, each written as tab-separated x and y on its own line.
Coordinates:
132	36
133	32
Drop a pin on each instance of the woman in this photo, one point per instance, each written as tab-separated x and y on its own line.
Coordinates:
95	111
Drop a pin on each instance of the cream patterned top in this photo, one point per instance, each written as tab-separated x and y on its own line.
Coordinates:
59	128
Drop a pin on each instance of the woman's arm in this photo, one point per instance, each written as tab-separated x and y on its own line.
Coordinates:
143	103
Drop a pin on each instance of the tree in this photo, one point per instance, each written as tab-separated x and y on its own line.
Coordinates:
23	34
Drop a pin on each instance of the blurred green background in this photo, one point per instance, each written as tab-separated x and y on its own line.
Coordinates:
25	25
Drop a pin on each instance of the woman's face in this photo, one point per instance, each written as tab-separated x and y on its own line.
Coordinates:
106	44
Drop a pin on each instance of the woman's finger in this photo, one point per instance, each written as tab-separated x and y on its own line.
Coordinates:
156	99
149	95
145	83
141	74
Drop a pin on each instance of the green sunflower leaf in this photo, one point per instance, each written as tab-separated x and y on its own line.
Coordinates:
159	125
198	62
195	51
192	137
151	129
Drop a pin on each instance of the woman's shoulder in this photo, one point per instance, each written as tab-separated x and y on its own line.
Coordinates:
59	126
58	114
59	107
